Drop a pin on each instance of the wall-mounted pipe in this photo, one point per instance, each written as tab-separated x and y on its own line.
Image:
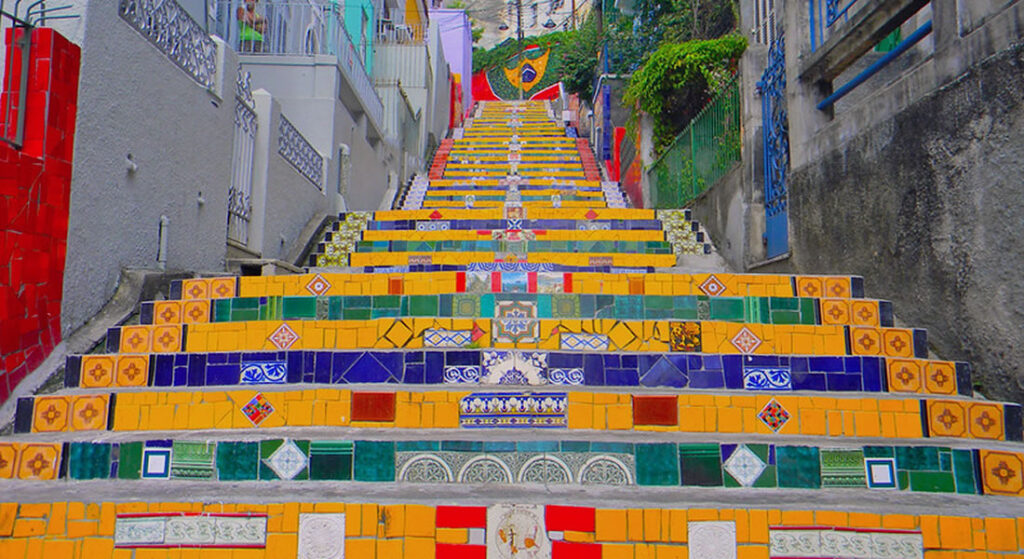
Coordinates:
161	254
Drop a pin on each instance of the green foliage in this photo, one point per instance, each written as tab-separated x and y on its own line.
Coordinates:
677	80
477	33
485	59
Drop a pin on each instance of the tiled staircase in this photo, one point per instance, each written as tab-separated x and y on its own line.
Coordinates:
510	365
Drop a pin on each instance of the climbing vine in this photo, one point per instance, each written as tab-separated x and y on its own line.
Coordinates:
677	80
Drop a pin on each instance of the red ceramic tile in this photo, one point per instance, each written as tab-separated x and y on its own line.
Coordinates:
655	410
576	519
567	550
373	406
461	517
455	551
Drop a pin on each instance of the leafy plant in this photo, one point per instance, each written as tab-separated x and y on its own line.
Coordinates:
677	80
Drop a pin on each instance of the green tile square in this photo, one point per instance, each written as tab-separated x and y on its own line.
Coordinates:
383	301
238	461
267	449
565	306
784	303
417	446
700	465
89	461
727	308
934	482
575	446
767	478
945	460
423	305
903	479
245	315
798	467
963	471
374	461
465	305
129	460
192	460
330	460
785	317
807	311
365	301
356	314
657	464
221	310
917	458
334	307
243	303
659	302
298	307
842	468
879	452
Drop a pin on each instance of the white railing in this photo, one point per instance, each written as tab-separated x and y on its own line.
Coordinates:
389	32
296	149
240	192
300	28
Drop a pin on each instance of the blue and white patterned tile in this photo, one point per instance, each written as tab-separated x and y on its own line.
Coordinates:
514	367
584	342
264	372
767	378
514	410
462	374
745	466
571	376
881	473
446	338
288	460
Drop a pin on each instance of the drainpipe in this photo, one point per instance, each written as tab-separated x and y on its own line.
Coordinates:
161	255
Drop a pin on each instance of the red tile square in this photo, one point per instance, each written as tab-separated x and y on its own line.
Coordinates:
655	410
461	517
456	551
373	406
567	550
576	519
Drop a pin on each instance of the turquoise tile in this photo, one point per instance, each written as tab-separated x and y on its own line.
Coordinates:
963	471
238	461
700	465
374	461
89	461
298	307
537	446
798	467
657	464
575	446
412	446
129	460
624	448
917	458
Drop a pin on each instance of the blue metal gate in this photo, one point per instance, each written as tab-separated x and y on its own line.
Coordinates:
772	88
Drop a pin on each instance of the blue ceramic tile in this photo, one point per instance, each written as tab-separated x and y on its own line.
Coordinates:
414	374
798	365
843	383
340	365
565	360
663	373
308	363
852	364
499	446
761	361
181	376
593	370
611	361
461	357
413	357
808	381
434	368
295	366
826	364
392	361
537	446
707	379
367	369
872	374
324	361
462	446
222	374
164	370
621	377
217	358
629	361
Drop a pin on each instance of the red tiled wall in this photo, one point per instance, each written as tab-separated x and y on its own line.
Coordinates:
35	186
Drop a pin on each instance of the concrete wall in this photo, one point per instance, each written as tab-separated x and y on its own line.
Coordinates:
134	100
308	91
912	183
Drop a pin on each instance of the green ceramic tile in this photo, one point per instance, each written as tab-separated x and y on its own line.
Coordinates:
331	460
963	471
935	482
785	317
917	458
298	307
267	449
192	460
807	310
238	461
945	460
879	452
626	448
784	303
365	302
244	303
423	305
700	465
767	477
374	461
842	468
657	464
727	308
798	467
575	446
334	308
565	306
221	310
658	302
245	315
444	305
385	301
356	314
410	446
89	461
129	460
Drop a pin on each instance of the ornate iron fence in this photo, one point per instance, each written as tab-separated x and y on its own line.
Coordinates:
772	88
168	26
297	150
240	192
701	154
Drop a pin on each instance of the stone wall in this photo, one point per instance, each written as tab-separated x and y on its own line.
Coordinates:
927	207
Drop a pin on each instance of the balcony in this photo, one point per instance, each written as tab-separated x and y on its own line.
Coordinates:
301	28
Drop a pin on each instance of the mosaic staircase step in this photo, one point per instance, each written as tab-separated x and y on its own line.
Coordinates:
778	415
769	373
516	329
497	281
750	464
